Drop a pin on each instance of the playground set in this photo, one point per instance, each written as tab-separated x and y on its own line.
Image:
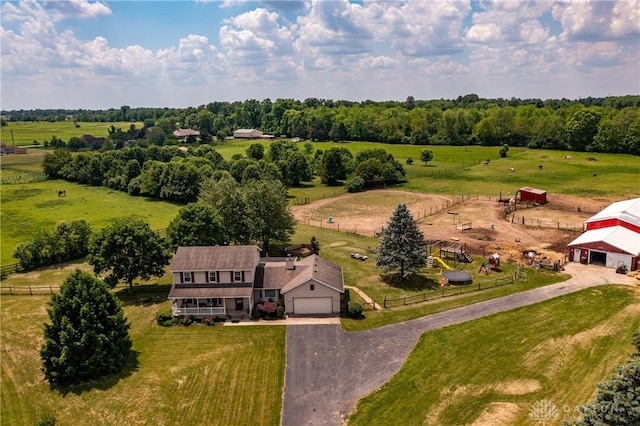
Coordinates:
439	250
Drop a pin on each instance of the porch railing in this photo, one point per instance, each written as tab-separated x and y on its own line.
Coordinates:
208	310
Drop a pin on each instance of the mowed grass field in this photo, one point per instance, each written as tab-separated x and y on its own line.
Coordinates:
492	370
234	375
26	208
25	133
193	375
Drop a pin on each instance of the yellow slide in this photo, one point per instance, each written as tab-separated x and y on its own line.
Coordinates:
440	261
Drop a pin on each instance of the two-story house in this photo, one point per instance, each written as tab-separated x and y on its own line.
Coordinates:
229	280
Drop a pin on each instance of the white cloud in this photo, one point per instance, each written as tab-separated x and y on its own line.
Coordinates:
483	33
77	9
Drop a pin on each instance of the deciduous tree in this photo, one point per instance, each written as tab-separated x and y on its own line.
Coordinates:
88	336
197	224
128	249
402	247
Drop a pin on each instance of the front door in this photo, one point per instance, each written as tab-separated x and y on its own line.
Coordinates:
239	304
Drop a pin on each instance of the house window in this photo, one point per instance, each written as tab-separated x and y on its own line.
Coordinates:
213	277
237	276
269	294
186	277
312	287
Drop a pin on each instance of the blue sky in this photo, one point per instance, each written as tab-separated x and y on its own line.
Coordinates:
104	54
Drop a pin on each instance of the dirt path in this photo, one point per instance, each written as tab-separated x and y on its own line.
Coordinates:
328	370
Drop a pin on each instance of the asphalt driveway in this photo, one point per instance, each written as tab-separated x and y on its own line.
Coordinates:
328	370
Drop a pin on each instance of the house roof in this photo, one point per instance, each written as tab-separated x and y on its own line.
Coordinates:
532	190
616	236
178	292
318	269
627	211
183	133
215	258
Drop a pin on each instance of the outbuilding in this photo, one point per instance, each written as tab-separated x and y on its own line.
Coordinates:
526	194
611	237
247	134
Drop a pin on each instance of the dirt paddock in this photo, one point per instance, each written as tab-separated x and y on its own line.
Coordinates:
485	230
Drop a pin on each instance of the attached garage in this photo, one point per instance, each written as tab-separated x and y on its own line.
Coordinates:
312	305
316	288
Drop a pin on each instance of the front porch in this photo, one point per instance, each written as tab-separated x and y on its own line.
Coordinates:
234	308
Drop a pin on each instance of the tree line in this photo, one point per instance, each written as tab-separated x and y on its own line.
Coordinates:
177	174
609	124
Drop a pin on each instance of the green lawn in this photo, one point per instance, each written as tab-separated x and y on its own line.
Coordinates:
338	246
557	350
29	207
182	375
25	133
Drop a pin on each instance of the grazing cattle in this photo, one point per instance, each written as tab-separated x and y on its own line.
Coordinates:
592	159
568	157
485	163
62	193
512	170
540	167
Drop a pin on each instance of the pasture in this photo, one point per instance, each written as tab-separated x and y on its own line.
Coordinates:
26	208
491	370
181	375
25	133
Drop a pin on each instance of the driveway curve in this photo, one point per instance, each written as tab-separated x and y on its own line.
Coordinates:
328	370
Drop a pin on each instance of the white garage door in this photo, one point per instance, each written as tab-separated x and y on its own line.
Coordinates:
312	305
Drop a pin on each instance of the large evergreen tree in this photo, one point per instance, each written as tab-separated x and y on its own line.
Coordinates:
128	249
402	247
88	336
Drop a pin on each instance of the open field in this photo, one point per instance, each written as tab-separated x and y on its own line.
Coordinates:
25	133
490	371
29	207
181	375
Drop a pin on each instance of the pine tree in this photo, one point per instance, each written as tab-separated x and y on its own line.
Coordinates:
402	247
88	337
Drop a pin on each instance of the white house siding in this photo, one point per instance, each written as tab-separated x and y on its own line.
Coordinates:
320	291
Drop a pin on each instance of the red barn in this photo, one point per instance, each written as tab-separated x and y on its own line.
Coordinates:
531	195
612	237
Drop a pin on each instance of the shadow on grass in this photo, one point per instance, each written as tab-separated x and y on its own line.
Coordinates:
410	283
105	383
144	295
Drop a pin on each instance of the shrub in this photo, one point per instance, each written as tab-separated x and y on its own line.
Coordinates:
165	319
355	309
409	160
354	184
47	420
186	320
280	311
255	314
207	321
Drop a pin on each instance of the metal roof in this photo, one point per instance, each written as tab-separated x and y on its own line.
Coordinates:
628	211
616	236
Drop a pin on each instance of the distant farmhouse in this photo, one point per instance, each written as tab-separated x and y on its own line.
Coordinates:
612	237
230	280
247	134
183	134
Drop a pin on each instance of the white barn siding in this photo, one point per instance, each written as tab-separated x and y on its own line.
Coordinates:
320	290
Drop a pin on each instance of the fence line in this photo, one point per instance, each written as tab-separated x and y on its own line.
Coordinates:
541	223
26	176
448	291
15	268
28	290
